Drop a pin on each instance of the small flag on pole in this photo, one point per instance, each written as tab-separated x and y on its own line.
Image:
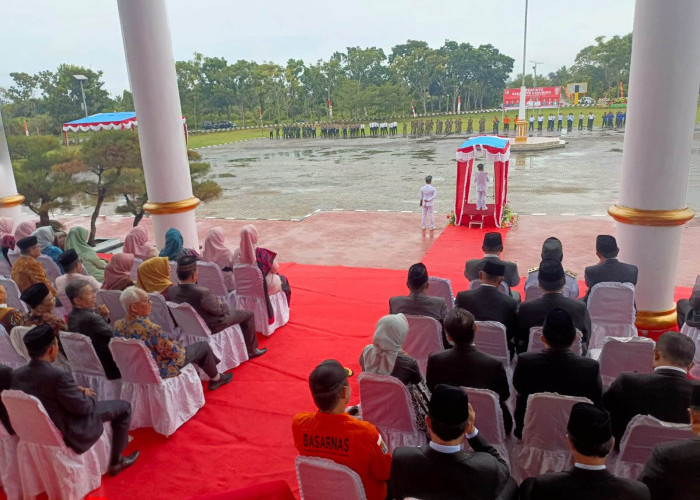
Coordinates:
622	90
260	111
459	104
330	108
413	110
26	129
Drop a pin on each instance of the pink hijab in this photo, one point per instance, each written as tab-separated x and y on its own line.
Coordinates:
215	249
24	229
249	240
118	267
136	243
5	226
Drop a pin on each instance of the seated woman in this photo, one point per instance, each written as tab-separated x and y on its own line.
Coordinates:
46	239
216	251
24	229
118	272
153	275
77	240
7	240
174	248
136	243
385	357
9	316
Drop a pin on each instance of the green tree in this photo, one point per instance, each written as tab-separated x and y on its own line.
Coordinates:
419	69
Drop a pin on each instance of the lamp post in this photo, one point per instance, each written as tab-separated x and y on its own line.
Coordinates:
521	127
82	78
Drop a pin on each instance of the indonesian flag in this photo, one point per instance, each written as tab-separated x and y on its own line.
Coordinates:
330	108
260	111
459	103
622	90
413	110
26	129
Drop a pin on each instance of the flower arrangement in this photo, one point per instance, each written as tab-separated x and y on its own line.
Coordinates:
509	217
451	218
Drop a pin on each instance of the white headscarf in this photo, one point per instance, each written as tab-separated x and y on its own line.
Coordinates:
380	356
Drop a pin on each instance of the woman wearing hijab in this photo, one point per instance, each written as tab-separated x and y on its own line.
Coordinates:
46	238
153	275
136	243
174	248
118	272
250	253
216	251
24	229
77	240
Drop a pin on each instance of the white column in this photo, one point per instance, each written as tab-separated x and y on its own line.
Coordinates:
10	201
652	208
151	65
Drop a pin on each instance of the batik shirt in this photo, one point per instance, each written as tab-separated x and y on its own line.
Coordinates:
27	271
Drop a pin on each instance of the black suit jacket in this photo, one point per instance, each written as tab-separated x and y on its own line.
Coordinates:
430	475
554	371
664	394
92	325
534	312
487	303
609	270
466	366
473	266
212	310
70	410
672	471
581	484
5	383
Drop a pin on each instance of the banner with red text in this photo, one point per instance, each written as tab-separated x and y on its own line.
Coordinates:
538	97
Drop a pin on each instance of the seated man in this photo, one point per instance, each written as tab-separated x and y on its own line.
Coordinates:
555	368
74	410
465	366
672	470
590	441
26	270
441	470
664	394
5	383
552	249
92	321
41	307
688	310
533	312
609	268
492	247
73	270
331	433
487	303
213	311
170	356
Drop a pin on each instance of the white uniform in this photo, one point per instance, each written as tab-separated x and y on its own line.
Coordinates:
482	184
427	195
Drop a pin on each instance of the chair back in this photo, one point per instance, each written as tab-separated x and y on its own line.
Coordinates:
532	291
8	354
51	268
135	269
211	277
30	420
172	271
13	294
81	353
386	403
485	404
134	361
546	418
491	339
424	337
441	287
248	281
694	334
13	255
503	287
160	314
535	343
17	339
110	298
321	479
612	303
625	355
5	267
188	319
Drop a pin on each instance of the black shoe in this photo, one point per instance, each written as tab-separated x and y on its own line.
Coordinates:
224	379
123	463
257	352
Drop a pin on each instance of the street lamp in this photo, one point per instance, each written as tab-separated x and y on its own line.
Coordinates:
81	78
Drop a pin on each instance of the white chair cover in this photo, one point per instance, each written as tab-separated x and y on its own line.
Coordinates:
424	337
51	268
321	479
13	294
503	287
535	343
642	434
160	315
486	407
625	355
441	287
110	298
13	255
491	338
65	302
211	277
693	333
135	269
544	447
227	345
5	267
164	404
45	462
532	291
87	369
8	354
17	339
9	465
386	403
611	307
172	269
250	296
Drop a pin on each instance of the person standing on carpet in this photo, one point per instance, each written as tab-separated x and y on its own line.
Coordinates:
427	201
482	185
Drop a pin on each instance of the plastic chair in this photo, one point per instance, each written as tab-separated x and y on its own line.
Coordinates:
250	296
162	403
486	406
87	368
503	287
45	462
228	345
51	268
13	294
321	479
535	343
8	354
9	465
110	298
424	337
211	277
441	287
611	307
642	434
491	339
625	355
386	403
544	447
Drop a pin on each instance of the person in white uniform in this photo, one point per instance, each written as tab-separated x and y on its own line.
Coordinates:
482	184
427	201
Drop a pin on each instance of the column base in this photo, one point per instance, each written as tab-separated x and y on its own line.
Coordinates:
656	320
521	132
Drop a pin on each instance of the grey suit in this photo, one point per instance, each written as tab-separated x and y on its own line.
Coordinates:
581	484
609	270
92	325
672	471
473	266
420	304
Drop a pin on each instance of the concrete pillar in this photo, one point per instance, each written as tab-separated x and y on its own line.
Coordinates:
652	209
10	201
149	58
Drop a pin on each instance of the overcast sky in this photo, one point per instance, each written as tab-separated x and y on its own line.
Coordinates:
41	34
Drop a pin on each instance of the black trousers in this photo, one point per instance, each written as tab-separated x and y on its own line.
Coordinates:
118	413
682	310
200	354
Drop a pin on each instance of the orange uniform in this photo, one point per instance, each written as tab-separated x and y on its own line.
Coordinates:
347	441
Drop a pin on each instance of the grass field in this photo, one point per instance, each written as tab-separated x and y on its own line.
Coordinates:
223	137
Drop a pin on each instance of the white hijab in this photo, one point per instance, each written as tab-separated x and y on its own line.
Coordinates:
380	356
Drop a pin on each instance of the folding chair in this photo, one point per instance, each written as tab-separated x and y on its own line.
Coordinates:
211	277
611	307
625	355
424	337
486	405
321	479
491	338
110	298
441	287
87	368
